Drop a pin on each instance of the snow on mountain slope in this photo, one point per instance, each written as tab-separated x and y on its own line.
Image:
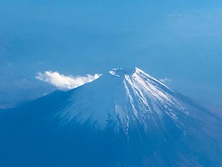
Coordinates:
124	118
126	97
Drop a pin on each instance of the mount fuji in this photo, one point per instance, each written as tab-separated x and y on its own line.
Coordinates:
125	118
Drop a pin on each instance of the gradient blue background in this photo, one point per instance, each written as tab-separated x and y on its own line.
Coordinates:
176	39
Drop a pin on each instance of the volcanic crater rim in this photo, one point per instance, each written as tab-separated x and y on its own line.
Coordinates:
121	72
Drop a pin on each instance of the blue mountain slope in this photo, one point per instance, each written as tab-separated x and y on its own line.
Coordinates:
124	118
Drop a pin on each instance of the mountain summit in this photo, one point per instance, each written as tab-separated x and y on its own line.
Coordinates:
124	118
127	98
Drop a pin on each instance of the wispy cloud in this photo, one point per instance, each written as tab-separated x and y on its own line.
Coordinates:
165	80
65	82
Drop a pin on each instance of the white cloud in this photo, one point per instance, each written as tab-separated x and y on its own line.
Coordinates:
165	80
65	82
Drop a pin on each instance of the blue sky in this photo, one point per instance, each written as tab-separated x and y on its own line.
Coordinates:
180	40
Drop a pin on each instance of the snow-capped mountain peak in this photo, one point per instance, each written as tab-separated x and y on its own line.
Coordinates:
126	97
124	118
122	72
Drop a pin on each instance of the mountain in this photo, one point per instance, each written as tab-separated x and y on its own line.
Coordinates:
126	118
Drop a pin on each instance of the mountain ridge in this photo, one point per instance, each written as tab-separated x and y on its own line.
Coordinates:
124	118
